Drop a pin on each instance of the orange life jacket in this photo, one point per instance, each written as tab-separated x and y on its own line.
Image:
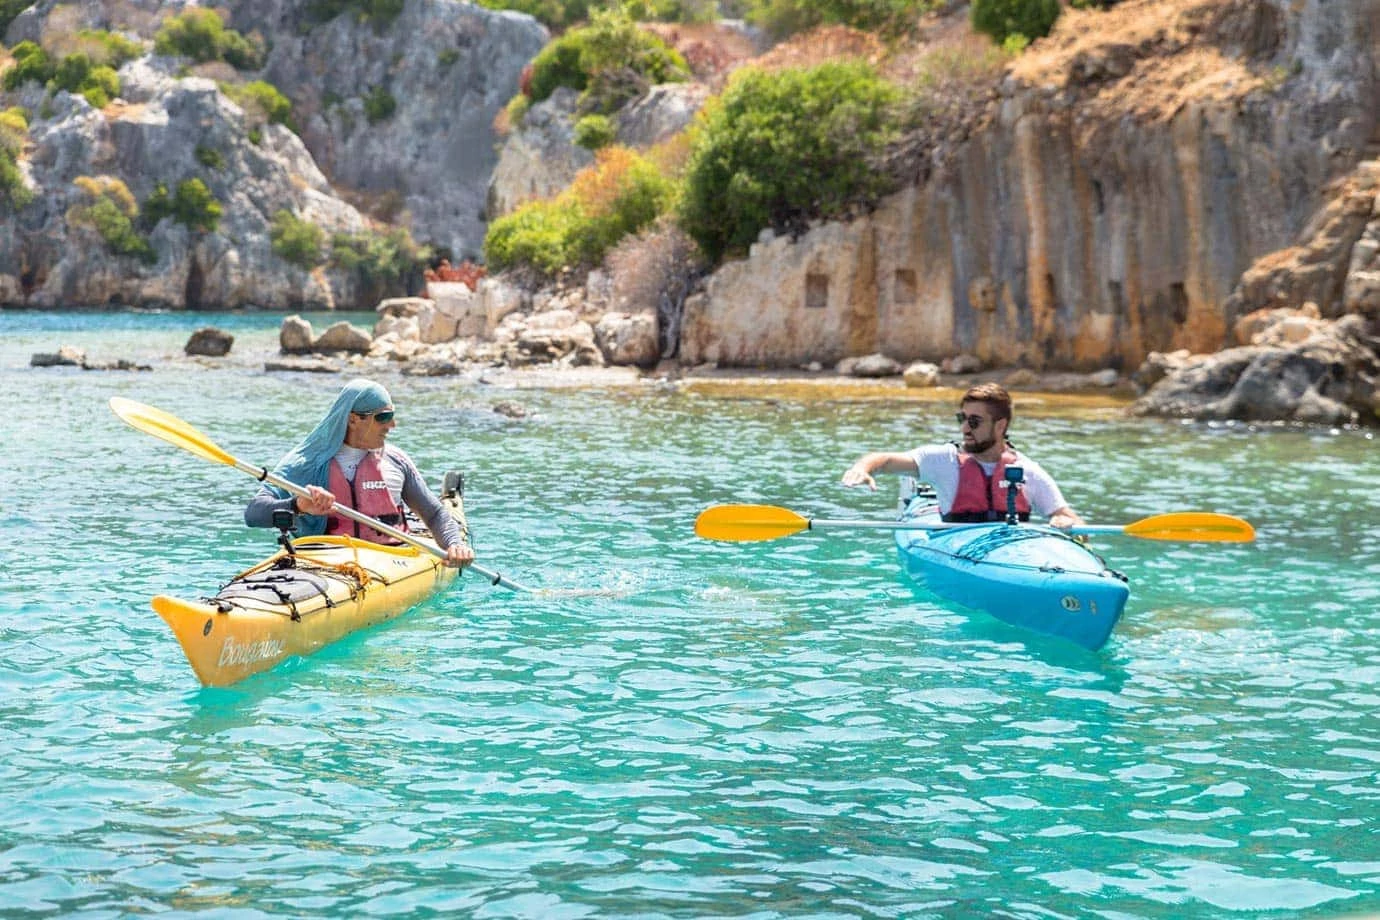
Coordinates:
982	497
368	494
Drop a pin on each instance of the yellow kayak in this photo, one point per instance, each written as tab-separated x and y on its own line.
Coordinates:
311	593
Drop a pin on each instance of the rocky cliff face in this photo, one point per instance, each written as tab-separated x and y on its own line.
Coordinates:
1129	170
153	136
449	68
539	158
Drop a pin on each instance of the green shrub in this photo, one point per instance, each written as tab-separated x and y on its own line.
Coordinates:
297	241
515	109
100	86
76	73
559	15
194	33
777	149
13	191
240	52
200	34
558	64
31	64
71	72
447	58
192	205
379	104
156	207
262	99
108	48
110	210
595	131
1002	18
556	15
612	41
382	263
14	128
673	10
617	196
210	157
537	235
890	18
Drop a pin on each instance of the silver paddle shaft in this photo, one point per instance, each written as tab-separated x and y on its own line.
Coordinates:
293	488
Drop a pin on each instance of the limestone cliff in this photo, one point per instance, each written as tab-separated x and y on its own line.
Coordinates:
1125	174
159	133
448	67
419	157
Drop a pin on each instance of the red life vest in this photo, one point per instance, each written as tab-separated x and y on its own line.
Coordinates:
982	497
368	494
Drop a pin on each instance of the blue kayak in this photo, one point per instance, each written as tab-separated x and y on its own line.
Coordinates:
1025	574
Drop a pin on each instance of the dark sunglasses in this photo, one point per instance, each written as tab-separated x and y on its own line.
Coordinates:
383	418
972	421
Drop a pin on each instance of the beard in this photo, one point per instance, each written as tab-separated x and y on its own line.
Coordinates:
978	447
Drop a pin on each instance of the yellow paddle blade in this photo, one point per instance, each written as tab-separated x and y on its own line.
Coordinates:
745	523
1199	526
170	428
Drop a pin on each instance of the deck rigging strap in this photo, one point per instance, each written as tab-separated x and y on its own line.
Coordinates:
308	577
977	549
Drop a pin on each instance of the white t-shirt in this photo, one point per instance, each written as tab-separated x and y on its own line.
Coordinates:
938	465
350	458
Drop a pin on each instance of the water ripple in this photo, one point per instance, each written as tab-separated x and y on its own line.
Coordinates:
756	730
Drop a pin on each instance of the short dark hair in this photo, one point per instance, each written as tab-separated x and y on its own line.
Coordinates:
994	395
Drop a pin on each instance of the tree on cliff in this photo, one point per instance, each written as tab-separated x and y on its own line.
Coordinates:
1003	19
778	149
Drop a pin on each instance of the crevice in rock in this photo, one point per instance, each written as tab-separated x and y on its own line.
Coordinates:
192	291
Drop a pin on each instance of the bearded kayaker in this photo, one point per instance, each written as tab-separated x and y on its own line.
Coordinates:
969	479
345	458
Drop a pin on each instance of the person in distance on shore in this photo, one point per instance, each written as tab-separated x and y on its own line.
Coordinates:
346	459
970	478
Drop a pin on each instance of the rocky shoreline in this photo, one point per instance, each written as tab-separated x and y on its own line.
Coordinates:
1040	394
1286	365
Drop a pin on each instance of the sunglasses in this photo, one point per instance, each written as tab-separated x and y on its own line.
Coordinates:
383	418
971	421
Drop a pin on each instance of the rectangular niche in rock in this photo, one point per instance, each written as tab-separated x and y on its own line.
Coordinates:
903	287
816	291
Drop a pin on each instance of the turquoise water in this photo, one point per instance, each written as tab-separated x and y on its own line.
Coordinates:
766	730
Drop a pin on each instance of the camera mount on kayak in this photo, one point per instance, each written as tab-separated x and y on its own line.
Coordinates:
1015	479
286	522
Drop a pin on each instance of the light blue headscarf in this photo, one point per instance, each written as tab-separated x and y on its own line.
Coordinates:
309	463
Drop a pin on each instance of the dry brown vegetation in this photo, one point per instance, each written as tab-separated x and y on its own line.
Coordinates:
656	267
712	50
1148	57
825	43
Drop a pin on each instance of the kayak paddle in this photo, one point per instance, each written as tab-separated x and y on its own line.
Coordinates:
746	523
172	429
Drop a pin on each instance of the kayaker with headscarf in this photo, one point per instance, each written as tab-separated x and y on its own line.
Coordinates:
346	459
968	478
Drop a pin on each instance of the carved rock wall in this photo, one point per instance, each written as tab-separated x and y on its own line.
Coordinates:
1083	228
